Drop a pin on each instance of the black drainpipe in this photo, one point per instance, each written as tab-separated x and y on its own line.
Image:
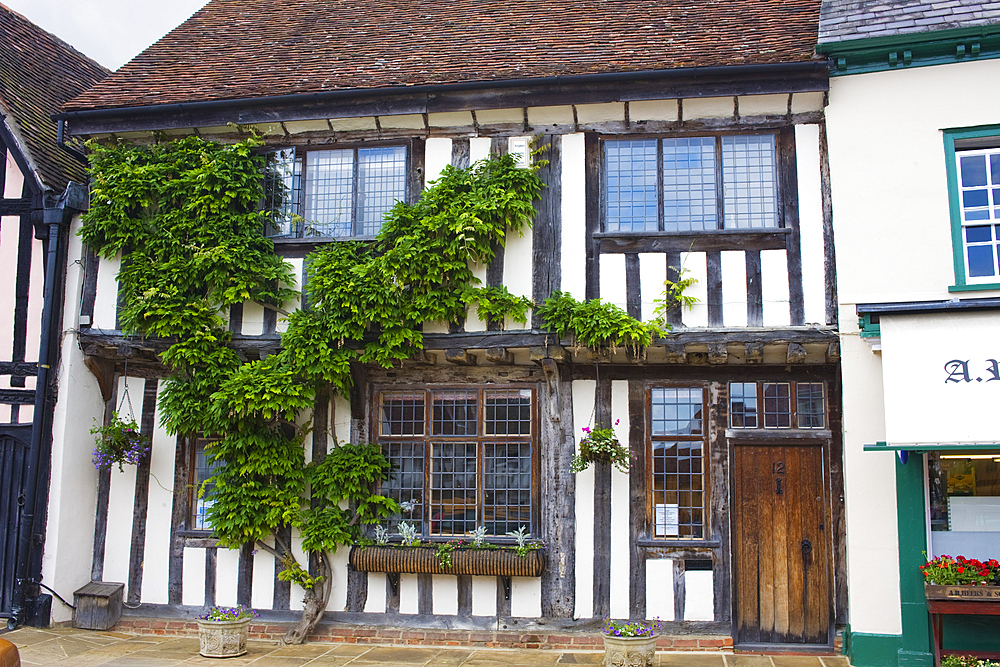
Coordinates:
28	607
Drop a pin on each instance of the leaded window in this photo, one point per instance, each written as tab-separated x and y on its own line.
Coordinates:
676	470
777	405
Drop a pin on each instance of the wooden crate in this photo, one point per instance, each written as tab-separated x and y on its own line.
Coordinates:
98	605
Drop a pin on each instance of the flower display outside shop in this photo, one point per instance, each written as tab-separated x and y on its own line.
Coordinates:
967	661
601	444
959	571
119	442
613	628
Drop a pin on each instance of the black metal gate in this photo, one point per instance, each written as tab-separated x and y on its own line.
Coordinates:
13	457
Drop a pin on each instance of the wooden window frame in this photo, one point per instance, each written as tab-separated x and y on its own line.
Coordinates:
706	523
427	438
192	487
793	406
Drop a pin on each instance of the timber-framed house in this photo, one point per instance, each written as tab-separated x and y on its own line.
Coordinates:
42	185
681	141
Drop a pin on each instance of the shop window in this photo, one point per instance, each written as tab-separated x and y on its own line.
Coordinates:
965	503
691	183
676	455
778	405
334	193
462	458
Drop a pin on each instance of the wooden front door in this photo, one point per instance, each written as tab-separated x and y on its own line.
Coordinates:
780	545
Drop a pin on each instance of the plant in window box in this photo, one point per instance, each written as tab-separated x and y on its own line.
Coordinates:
222	632
525	558
601	445
118	442
630	644
960	578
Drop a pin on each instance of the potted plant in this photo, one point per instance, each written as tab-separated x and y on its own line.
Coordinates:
118	442
601	444
630	644
960	578
222	632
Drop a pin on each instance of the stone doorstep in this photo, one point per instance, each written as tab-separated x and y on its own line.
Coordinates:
328	632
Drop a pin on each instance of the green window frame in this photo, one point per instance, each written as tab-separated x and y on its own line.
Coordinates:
955	142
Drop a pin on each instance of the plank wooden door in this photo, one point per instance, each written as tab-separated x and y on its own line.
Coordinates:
780	545
13	458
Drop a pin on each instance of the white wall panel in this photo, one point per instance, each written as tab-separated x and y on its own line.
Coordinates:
696	266
106	300
121	498
13	179
472	321
262	587
437	155
294	304
526	597
734	288
341	418
227	562
699	598
253	319
660	588
620	565
9	233
517	271
652	274
574	216
408	594
193	578
338	566
811	223
479	148
583	409
156	556
613	279
484	596
298	593
774	288
375	602
445	598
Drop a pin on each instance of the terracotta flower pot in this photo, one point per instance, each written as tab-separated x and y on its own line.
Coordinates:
629	651
223	639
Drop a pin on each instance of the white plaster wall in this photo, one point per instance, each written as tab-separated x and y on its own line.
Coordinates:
574	216
69	536
193	573
696	264
774	288
620	564
156	556
472	321
887	167
734	288
437	155
479	148
297	592
518	270
445	599
613	280
121	500
341	418
869	482
810	223
253	319
652	274
526	597
484	596
584	392
262	586
407	594
13	178
296	284
699	600
106	299
375	602
9	233
227	565
659	589
338	568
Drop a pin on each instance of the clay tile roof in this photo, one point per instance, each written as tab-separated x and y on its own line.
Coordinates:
38	74
843	20
233	49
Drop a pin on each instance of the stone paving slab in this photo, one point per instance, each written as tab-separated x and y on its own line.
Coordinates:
89	648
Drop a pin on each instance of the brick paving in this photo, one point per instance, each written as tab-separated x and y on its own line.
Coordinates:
89	648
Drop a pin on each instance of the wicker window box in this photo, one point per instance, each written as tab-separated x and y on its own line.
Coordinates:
424	560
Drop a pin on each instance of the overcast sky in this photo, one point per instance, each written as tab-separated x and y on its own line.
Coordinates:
112	32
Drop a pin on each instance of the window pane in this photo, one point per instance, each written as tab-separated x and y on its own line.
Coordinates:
507	412
406	481
980	261
453	488
689	194
506	487
402	413
979	234
455	413
678	496
282	192
965	503
973	170
676	411
381	183
749	176
630	186
777	405
329	189
743	404
203	469
809	406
